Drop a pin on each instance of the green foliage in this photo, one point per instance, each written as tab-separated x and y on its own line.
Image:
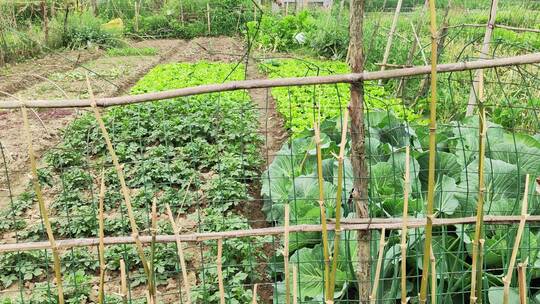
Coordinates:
132	51
300	105
85	30
240	259
23	266
292	179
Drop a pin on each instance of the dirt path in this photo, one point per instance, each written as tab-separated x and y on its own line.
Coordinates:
115	75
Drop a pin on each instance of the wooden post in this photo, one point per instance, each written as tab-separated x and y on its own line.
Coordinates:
208	16
45	20
94	5
358	156
478	77
136	16
391	37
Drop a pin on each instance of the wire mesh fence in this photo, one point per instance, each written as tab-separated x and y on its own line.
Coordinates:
233	163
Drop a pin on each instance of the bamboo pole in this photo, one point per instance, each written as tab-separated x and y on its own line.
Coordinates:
478	78
322	207
403	246
101	292
220	271
208	17
391	37
476	267
45	21
42	209
373	34
153	231
506	27
382	244
124	188
358	156
358	224
180	250
295	284
507	279
286	255
432	151
433	277
522	282
254	299
123	282
350	78
337	234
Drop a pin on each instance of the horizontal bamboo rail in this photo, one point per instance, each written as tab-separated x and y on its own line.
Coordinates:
346	224
506	27
269	83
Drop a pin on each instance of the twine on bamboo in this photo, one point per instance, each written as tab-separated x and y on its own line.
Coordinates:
432	148
403	246
180	250
220	271
101	292
507	279
42	208
121	178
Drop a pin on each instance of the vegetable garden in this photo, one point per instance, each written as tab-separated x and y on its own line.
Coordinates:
293	171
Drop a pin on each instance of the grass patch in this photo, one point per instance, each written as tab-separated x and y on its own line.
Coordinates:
132	51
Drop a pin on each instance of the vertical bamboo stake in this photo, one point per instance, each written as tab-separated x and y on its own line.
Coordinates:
286	8
42	208
254	299
180	250
121	178
208	16
433	277
153	231
181	11
479	273
358	156
220	271
136	16
123	282
507	279
286	255
478	77
476	267
101	293
373	34
403	247
295	284
432	148
323	213
337	231
382	243
416	43
390	37
522	282
45	20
